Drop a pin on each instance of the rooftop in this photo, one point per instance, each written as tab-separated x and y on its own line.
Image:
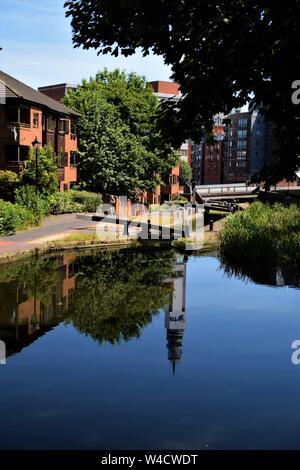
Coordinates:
13	88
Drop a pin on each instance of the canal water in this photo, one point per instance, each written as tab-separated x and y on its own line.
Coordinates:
148	350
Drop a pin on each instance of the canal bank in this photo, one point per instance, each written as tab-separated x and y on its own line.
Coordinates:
69	232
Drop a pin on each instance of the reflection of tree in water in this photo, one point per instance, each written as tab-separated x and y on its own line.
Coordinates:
266	272
117	293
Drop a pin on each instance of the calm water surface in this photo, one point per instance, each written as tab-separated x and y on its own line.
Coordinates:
129	350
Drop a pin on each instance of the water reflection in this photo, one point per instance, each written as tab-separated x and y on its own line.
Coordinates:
110	296
265	273
175	313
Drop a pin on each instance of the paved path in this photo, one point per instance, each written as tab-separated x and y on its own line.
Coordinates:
52	228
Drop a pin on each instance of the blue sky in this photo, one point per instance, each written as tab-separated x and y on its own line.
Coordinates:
37	47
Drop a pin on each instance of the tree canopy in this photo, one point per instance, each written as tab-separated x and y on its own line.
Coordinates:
223	54
185	172
120	146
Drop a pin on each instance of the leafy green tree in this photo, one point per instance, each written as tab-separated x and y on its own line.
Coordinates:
120	146
47	170
185	172
223	54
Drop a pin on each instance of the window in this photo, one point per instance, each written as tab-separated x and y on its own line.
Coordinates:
63	126
241	164
242	134
35	121
51	123
25	116
73	130
241	154
73	158
62	160
243	122
242	144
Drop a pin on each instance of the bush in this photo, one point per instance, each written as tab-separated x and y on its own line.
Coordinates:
14	217
89	201
262	232
179	198
39	205
76	201
9	181
64	204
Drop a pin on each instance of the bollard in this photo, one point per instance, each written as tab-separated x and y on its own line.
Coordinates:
211	225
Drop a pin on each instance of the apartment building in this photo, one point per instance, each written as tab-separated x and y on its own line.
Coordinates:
207	157
245	147
26	114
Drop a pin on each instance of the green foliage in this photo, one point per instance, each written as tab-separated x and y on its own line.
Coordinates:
223	54
120	146
185	172
14	217
9	181
262	232
179	198
47	174
88	200
76	201
39	205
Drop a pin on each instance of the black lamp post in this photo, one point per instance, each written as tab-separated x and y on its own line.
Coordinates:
35	145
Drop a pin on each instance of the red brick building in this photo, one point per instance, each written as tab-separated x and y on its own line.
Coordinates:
57	92
170	91
25	114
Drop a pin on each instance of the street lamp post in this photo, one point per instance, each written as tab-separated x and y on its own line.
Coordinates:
35	145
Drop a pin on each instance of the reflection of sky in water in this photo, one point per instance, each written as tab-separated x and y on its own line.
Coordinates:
234	386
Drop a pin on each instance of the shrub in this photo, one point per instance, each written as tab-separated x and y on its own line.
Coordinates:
179	198
9	181
64	204
89	201
38	205
76	201
14	217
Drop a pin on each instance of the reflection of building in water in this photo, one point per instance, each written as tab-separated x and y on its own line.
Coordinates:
175	314
35	305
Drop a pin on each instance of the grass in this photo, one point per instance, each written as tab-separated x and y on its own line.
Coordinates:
262	232
82	238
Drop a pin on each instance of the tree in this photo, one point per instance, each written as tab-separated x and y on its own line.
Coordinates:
185	172
223	54
120	146
47	170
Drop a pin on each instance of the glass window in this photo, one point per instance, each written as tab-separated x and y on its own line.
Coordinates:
241	154
243	122
242	134
63	126
51	123
35	121
242	144
73	158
